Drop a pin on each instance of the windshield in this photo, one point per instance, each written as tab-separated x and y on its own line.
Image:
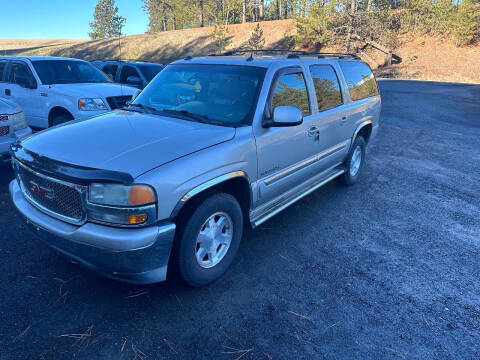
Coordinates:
68	72
150	71
217	94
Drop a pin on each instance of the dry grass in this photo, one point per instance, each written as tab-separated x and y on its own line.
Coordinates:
424	58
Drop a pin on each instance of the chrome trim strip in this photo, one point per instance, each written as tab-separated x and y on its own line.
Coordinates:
305	163
281	206
82	190
202	187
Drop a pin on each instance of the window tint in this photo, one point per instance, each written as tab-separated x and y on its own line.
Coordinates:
291	90
68	72
360	80
110	70
3	65
128	71
327	87
20	74
150	71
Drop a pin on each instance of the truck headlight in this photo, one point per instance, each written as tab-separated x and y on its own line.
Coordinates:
91	104
18	121
122	204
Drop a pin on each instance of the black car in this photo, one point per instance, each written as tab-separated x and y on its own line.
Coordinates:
133	73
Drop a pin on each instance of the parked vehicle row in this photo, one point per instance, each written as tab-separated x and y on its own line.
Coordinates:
52	90
170	181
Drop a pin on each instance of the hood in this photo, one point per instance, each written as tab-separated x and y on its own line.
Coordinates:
8	107
90	90
127	142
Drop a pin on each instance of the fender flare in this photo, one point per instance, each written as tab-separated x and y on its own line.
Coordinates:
204	186
359	127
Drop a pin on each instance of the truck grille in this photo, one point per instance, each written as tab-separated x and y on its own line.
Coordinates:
3	117
117	102
57	198
4	130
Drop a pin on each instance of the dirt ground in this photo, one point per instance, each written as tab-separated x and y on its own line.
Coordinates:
386	269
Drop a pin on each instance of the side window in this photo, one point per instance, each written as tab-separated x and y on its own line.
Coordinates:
128	71
291	89
360	80
327	87
20	74
3	65
111	71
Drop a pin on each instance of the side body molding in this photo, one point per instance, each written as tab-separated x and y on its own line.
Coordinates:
206	185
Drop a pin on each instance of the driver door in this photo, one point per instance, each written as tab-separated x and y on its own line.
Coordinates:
22	88
285	154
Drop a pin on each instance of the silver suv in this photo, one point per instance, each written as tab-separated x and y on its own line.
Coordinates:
210	146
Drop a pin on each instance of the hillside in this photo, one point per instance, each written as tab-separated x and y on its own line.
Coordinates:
424	58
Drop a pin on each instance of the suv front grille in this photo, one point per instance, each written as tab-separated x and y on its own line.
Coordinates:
57	198
4	130
117	102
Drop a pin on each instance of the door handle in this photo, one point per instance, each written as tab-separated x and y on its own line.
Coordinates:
313	130
8	92
344	118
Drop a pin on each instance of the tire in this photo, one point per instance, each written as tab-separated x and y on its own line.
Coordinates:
353	165
59	119
194	238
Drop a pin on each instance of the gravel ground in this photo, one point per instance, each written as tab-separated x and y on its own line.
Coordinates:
385	269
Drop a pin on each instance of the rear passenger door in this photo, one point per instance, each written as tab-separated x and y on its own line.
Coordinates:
330	117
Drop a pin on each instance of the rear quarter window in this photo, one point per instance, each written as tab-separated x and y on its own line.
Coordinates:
360	80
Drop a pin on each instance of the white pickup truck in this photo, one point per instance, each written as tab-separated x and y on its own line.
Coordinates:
53	90
12	127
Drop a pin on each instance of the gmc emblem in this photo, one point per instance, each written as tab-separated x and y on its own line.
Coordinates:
41	191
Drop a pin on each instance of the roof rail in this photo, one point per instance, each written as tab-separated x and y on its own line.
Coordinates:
291	54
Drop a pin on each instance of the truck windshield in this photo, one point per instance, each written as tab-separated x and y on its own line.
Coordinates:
68	72
217	94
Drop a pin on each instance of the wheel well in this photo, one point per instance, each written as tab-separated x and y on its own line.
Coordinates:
365	132
57	111
238	187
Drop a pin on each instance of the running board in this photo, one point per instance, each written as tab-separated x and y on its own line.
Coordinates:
265	212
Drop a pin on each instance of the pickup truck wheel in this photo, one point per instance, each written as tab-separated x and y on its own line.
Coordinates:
354	163
59	119
210	239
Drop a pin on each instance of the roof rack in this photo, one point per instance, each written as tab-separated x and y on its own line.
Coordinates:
291	54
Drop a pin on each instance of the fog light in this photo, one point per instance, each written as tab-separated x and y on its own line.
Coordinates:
137	219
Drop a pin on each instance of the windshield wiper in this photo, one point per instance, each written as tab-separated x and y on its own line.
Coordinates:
145	108
193	116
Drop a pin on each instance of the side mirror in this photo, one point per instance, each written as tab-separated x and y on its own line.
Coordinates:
285	116
133	80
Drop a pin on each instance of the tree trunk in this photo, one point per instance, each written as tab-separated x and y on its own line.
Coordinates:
353	8
279	9
244	11
202	15
261	10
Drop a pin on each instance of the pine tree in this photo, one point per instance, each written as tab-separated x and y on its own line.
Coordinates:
466	24
256	41
220	39
106	21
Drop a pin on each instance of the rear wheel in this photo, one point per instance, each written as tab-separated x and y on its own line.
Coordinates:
354	163
209	239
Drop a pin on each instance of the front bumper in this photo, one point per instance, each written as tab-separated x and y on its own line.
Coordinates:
137	256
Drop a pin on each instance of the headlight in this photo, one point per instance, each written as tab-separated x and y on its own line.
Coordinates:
18	121
122	204
91	104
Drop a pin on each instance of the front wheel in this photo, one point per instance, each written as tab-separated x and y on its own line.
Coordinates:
209	239
354	163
